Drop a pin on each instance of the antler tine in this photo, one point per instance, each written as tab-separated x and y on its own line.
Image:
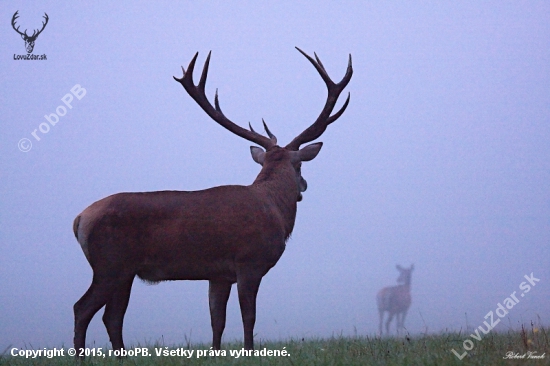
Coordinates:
318	66
43	24
320	63
271	136
189	73
337	115
197	92
334	89
13	19
202	82
217	104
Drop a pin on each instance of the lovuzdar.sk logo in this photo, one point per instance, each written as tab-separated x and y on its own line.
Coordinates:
29	40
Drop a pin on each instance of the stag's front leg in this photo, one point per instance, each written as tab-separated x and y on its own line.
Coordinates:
218	294
381	314
398	323
390	317
248	285
403	315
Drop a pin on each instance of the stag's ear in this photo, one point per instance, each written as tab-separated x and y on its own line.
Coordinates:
258	154
310	151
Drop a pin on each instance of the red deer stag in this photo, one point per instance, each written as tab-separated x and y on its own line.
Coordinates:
224	234
396	300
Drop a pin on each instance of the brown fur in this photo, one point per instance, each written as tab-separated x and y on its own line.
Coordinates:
223	234
226	235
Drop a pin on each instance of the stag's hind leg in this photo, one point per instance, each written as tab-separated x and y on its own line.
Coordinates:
89	304
218	294
115	309
248	285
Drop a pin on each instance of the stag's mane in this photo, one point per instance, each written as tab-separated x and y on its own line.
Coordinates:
275	156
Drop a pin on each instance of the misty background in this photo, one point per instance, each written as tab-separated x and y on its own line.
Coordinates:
442	158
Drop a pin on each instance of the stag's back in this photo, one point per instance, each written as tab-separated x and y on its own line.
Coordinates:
183	235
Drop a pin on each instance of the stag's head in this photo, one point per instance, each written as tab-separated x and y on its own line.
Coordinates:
269	150
29	40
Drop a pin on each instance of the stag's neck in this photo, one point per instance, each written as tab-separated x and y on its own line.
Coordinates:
407	284
278	185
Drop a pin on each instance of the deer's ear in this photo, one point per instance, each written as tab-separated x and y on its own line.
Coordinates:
258	154
310	151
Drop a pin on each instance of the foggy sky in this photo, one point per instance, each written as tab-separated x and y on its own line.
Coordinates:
442	158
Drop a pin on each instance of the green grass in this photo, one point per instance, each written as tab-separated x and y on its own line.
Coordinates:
407	350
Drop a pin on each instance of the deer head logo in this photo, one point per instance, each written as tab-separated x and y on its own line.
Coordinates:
29	40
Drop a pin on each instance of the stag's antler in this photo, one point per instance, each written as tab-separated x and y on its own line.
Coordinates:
324	119
34	34
198	94
15	16
43	26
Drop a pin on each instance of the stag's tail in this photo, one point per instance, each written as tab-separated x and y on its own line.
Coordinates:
82	240
75	226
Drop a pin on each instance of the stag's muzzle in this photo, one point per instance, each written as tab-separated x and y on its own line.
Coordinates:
302	188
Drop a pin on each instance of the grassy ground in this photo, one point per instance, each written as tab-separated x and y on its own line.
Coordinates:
416	350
